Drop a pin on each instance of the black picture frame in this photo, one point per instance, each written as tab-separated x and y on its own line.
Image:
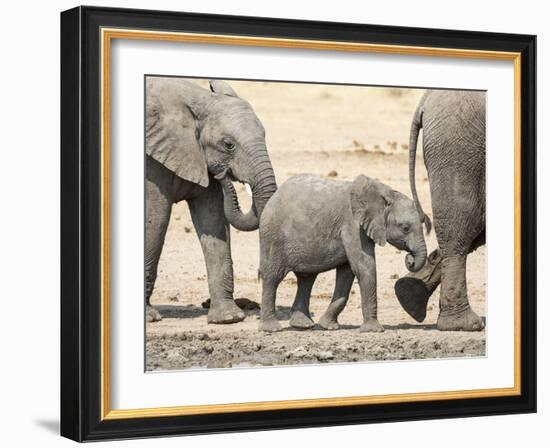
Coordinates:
81	224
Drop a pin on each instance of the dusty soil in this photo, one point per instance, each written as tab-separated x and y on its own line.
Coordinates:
331	131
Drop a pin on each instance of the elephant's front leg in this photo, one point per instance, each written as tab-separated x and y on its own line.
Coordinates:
344	282
455	313
363	265
369	300
158	206
213	232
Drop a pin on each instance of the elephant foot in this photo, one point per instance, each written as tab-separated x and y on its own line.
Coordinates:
224	312
151	314
371	326
269	325
465	321
414	290
328	323
413	295
301	321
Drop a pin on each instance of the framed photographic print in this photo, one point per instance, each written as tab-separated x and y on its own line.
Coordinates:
272	223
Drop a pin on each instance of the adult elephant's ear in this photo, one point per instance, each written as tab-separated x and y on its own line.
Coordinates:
221	87
370	200
171	135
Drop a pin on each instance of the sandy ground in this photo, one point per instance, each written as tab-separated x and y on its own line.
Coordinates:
316	129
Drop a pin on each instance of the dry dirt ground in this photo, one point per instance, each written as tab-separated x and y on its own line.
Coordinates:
339	131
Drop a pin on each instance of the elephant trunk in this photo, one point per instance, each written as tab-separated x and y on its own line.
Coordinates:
263	186
416	259
232	209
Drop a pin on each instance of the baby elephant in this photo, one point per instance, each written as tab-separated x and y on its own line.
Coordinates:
311	225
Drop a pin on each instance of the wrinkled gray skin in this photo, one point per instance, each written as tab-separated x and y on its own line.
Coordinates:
312	225
198	142
453	124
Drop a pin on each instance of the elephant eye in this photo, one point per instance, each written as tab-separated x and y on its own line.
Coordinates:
228	144
405	228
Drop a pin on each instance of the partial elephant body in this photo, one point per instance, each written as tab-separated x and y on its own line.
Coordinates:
453	124
292	218
197	143
163	188
312	225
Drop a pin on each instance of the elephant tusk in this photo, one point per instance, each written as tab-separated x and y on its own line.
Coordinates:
248	189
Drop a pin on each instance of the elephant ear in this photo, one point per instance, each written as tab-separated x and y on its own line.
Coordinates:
370	200
171	133
221	87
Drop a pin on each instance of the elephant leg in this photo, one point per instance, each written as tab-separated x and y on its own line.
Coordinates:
300	317
344	282
477	242
268	316
415	289
360	252
458	233
213	232
157	210
369	299
455	313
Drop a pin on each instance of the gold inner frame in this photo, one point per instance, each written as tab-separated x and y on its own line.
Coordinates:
107	35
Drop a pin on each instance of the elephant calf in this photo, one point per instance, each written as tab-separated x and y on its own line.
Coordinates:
311	225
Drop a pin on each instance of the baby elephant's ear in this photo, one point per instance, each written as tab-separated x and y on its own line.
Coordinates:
369	201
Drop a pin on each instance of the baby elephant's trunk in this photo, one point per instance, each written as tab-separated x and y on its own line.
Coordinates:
416	259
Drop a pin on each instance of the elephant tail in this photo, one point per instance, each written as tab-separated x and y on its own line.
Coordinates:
413	140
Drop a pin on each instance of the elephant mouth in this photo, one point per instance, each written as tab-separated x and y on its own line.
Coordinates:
401	245
227	173
261	187
233	213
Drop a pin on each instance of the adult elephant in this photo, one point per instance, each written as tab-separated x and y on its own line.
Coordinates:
197	142
453	124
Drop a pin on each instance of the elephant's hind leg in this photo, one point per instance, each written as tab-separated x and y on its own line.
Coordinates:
300	317
344	282
415	289
459	222
455	313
